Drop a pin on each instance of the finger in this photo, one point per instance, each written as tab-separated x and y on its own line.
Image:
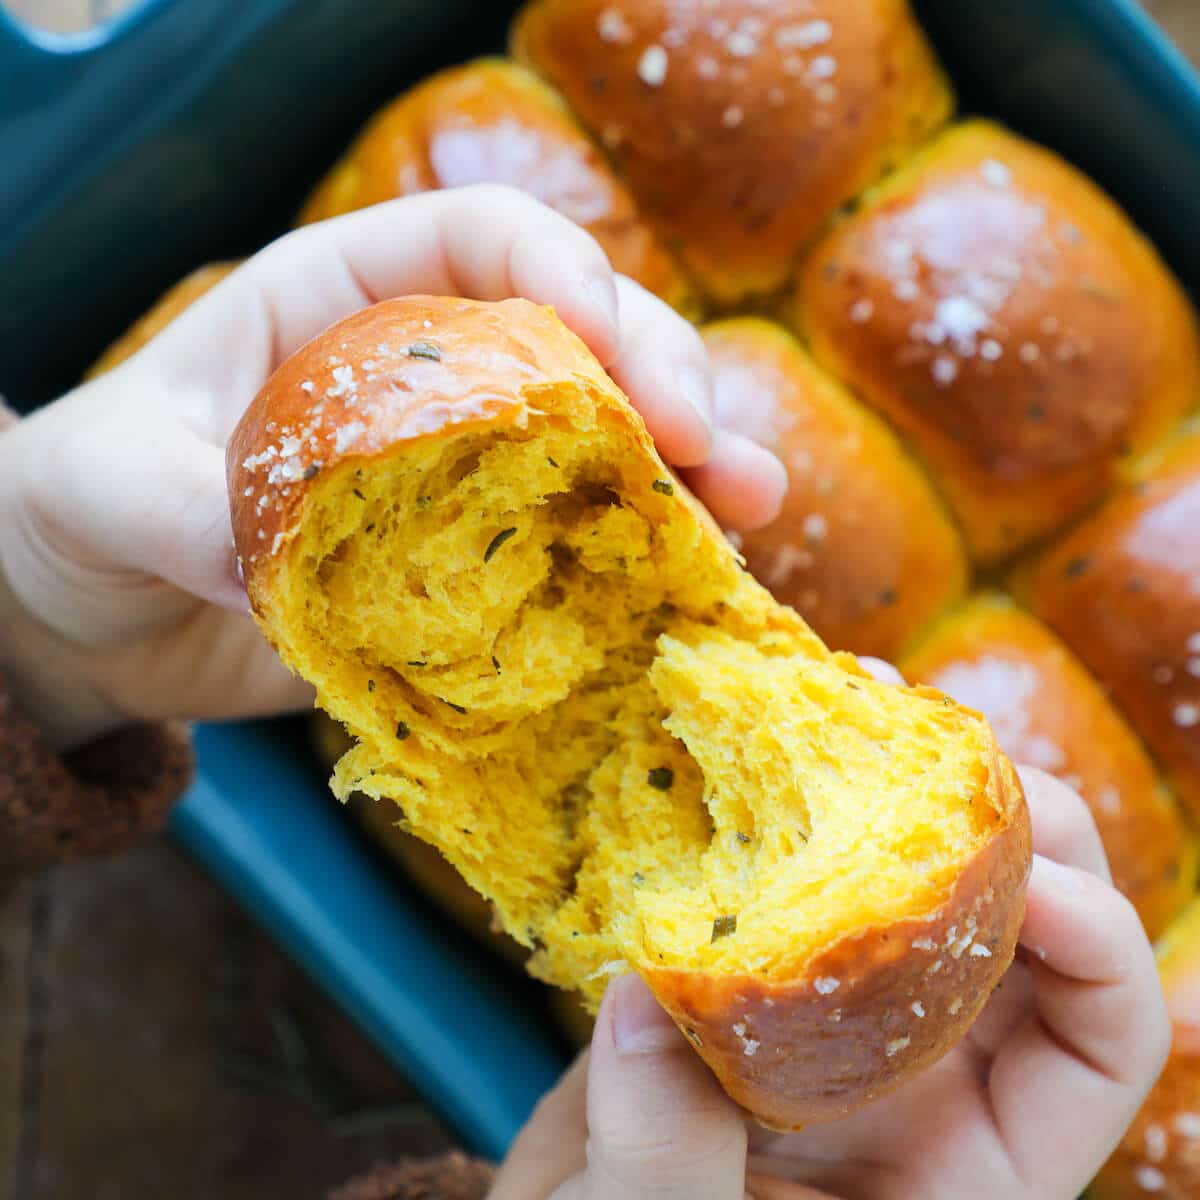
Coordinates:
130	485
552	1146
766	1187
1100	1035
741	484
659	1124
883	671
662	365
486	242
1063	826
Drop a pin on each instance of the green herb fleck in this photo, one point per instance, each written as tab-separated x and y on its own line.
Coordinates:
458	708
664	486
425	350
310	472
496	664
638	879
551	461
888	597
691	1035
744	838
1077	567
370	528
724	927
370	685
359	494
660	778
402	732
498	541
424	502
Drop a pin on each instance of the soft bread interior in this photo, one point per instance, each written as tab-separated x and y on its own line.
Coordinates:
613	733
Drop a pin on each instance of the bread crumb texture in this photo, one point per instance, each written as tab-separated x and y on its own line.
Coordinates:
565	681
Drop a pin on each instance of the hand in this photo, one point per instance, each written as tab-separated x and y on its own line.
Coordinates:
118	594
1028	1106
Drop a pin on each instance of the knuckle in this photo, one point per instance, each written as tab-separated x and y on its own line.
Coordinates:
657	1148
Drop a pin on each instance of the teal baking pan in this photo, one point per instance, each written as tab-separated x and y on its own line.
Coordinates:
190	130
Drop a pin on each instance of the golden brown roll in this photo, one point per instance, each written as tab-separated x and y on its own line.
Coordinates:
169	306
1048	712
863	548
740	126
1159	1157
1123	591
455	525
492	121
1005	315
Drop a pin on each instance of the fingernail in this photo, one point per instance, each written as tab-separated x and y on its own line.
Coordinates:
603	294
695	386
639	1024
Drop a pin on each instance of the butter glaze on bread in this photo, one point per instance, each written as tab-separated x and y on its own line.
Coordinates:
492	121
741	127
1047	711
863	548
1123	591
1160	1153
1018	331
453	523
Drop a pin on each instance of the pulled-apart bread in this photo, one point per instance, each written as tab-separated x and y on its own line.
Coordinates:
453	524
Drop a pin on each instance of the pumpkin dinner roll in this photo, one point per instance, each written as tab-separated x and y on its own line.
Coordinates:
1160	1154
170	305
863	547
454	524
1123	591
1008	319
741	126
1047	711
492	121
424	867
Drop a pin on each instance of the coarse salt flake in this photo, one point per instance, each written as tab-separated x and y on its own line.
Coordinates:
1149	1179
961	317
924	944
906	290
1156	1143
861	311
918	1008
804	36
741	44
954	1008
991	350
945	370
307	386
731	118
1187	1125
612	27
996	173
978	951
1186	716
815	527
827	985
652	66
896	1045
824	66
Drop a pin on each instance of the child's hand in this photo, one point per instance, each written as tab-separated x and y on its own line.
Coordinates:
118	593
1028	1106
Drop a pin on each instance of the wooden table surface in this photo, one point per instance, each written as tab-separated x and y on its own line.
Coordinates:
154	1044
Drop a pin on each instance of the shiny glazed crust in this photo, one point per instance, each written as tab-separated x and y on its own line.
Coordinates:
1121	590
818	1047
863	548
1160	1153
491	121
1048	712
1006	316
326	405
741	128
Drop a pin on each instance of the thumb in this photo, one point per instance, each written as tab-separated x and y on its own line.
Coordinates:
659	1124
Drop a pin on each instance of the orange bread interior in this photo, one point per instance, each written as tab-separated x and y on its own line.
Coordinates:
559	674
